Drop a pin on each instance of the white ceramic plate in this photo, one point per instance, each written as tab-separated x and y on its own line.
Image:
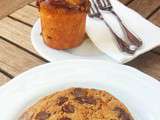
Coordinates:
139	92
87	50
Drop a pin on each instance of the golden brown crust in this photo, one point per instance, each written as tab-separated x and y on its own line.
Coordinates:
78	104
63	22
62	28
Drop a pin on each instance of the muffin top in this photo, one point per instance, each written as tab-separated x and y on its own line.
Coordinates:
78	104
82	5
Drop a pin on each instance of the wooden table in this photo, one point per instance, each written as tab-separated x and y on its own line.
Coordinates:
18	55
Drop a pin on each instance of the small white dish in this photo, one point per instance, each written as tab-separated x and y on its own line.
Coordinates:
138	91
87	50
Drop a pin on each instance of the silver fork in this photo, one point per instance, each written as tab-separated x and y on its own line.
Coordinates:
124	46
106	5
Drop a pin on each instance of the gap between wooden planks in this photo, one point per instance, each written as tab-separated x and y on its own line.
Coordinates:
145	7
25	18
16	32
15	60
3	78
149	63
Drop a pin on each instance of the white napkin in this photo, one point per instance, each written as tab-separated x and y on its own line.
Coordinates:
104	40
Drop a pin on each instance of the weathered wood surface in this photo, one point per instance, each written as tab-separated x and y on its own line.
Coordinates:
8	6
27	14
18	55
15	60
16	32
145	7
3	78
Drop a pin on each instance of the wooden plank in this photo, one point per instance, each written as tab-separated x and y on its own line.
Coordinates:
157	50
17	33
148	63
144	7
8	6
155	18
14	60
125	1
27	14
3	79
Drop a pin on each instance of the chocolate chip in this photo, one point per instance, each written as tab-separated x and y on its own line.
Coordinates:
87	100
68	108
122	114
65	118
81	96
62	100
42	115
78	92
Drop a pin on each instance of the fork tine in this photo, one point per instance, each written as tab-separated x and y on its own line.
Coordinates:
104	4
100	4
91	12
94	12
108	2
95	6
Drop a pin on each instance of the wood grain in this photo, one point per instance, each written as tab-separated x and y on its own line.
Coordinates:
125	1
17	33
3	79
156	50
8	6
149	63
27	14
155	18
14	60
144	7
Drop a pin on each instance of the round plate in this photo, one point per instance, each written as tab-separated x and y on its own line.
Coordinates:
87	50
139	92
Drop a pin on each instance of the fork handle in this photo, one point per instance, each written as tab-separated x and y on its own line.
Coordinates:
132	38
122	44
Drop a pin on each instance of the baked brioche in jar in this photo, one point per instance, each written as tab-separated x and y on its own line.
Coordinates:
63	22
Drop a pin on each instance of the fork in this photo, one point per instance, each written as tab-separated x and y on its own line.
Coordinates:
124	46
106	5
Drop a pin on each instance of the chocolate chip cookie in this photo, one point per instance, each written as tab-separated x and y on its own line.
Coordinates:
78	104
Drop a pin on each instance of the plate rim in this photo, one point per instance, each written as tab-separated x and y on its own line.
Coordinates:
153	80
